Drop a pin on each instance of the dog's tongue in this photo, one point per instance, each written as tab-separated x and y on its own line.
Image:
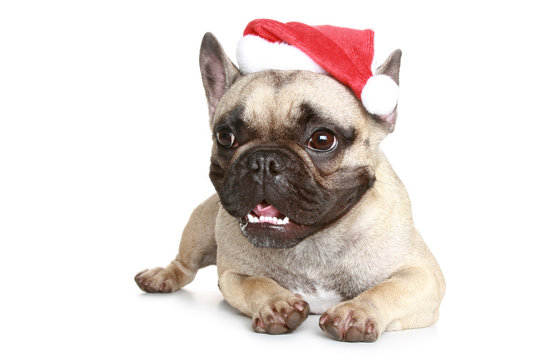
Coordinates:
266	210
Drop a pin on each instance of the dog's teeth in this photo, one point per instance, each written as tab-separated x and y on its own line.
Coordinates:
267	219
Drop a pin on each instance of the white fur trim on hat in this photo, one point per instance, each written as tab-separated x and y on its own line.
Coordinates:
380	95
254	54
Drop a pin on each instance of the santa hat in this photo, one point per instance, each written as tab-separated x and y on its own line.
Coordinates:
345	54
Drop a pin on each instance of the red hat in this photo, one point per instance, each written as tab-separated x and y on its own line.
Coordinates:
345	54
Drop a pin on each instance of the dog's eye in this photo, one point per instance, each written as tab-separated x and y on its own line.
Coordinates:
322	140
226	138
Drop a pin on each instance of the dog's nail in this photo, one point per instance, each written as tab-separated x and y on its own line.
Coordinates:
299	306
323	319
370	328
258	325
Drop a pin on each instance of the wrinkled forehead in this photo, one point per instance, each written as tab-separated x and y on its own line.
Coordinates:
276	99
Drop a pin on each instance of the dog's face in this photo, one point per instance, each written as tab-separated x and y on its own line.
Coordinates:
292	150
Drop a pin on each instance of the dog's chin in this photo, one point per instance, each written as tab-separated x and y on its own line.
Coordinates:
277	236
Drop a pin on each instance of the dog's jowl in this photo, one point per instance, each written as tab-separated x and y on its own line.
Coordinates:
308	215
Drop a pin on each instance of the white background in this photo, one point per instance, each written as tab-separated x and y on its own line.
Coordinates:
104	152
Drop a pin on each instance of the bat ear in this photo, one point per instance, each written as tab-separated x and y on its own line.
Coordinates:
391	66
217	71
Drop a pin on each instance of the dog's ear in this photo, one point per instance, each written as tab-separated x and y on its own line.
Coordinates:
217	71
390	68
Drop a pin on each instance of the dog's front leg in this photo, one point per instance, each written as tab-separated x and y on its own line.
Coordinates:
197	249
408	299
273	309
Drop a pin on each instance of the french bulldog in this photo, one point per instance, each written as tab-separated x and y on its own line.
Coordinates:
309	216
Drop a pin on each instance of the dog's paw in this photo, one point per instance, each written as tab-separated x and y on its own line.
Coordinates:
351	322
281	316
158	280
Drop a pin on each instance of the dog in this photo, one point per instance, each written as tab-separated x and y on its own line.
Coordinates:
308	215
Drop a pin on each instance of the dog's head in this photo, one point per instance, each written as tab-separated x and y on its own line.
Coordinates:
293	150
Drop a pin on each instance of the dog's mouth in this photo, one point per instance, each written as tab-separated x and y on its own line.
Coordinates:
265	213
266	226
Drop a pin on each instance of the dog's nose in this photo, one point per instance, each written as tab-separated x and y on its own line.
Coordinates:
266	163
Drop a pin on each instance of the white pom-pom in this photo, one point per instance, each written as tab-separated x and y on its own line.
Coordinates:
380	95
254	54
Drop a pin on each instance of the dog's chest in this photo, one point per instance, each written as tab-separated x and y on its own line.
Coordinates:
319	287
320	284
326	275
320	290
319	299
